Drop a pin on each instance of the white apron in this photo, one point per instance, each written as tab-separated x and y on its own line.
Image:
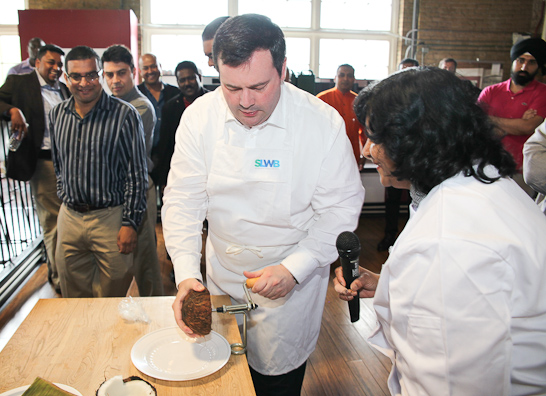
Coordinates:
249	192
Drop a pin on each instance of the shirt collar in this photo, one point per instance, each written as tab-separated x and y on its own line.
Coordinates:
529	87
277	118
348	93
131	95
103	104
43	84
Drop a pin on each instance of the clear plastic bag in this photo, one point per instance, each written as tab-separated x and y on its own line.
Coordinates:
132	310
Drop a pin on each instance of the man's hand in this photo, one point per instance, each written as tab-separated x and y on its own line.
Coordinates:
183	288
525	125
127	239
363	286
275	281
529	114
18	122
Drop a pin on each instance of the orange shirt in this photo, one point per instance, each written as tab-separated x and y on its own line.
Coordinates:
343	103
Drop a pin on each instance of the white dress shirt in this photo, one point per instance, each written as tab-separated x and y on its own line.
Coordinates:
52	96
278	192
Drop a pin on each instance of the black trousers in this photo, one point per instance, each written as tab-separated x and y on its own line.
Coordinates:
288	384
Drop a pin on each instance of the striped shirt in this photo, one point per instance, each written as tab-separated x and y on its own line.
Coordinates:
100	160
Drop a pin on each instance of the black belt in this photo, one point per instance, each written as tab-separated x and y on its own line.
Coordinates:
44	154
84	208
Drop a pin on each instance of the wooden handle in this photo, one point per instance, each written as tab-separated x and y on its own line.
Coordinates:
251	281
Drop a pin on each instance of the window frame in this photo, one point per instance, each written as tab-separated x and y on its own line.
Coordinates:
314	34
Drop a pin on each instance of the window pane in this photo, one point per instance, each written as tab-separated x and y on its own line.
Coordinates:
297	54
356	14
10	54
173	49
176	12
370	58
285	13
9	15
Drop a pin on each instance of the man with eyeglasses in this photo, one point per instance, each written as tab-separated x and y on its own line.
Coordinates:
191	87
517	106
118	66
27	99
154	88
99	156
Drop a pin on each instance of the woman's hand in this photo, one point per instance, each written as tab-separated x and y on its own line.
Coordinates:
364	286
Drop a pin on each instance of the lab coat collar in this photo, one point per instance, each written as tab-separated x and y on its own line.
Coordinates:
278	118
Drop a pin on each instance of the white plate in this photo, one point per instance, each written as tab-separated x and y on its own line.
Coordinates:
22	389
167	354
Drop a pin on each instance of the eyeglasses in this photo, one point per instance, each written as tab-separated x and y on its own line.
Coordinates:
89	77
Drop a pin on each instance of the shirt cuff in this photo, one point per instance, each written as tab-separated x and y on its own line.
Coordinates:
301	264
185	269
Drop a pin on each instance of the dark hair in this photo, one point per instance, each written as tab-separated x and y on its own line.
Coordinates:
211	28
430	125
186	65
411	61
82	52
446	60
48	47
118	53
346	65
238	38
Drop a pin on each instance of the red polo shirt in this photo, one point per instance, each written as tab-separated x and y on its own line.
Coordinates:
502	102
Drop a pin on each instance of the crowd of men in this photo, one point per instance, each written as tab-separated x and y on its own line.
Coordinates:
274	170
106	233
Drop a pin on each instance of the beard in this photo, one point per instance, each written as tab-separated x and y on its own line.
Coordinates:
523	77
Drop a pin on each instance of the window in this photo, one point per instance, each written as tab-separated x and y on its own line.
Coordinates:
320	34
356	14
10	48
10	54
9	15
172	49
285	13
368	57
177	12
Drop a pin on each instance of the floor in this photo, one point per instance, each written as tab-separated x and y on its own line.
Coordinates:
342	364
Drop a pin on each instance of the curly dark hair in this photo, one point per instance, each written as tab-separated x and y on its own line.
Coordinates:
239	36
430	125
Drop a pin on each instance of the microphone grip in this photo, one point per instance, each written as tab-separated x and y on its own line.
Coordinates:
350	273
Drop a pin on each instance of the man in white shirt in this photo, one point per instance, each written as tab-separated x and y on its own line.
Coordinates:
270	167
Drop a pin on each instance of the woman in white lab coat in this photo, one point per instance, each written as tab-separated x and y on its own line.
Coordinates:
461	302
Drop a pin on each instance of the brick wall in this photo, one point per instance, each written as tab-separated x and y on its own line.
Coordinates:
134	5
470	30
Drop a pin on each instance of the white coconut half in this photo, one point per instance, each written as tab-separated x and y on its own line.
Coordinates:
132	386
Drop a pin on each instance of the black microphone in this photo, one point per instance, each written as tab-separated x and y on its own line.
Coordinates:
348	247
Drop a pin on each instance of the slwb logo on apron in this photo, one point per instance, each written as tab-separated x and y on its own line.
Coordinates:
267	163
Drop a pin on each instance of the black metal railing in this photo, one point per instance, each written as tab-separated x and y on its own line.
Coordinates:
21	246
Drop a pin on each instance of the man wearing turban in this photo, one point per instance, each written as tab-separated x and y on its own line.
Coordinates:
518	106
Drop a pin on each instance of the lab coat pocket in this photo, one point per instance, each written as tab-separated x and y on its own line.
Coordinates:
425	335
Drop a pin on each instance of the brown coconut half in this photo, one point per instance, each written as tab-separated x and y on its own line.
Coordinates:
131	386
197	312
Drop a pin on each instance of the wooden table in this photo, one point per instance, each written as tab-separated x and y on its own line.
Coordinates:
82	342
